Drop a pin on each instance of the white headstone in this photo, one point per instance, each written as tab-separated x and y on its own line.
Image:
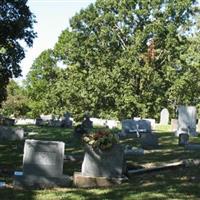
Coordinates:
164	116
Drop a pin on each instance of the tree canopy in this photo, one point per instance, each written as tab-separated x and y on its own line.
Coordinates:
127	56
16	24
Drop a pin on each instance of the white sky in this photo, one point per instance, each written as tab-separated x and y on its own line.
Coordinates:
52	18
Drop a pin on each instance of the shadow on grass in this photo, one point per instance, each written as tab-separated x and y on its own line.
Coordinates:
180	183
172	184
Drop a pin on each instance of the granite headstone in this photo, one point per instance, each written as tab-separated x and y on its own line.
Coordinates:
108	163
187	120
42	165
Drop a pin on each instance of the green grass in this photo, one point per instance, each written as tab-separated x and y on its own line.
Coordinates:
179	183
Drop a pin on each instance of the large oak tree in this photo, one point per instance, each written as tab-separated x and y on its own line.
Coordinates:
127	55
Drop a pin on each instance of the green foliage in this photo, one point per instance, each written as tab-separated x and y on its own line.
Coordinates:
126	58
16	103
16	24
39	83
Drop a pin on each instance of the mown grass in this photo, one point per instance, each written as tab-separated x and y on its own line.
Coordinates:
179	183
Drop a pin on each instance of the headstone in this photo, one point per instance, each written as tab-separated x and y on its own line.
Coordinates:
11	134
79	130
5	121
164	116
87	123
129	126
144	126
148	141
183	139
39	122
174	125
135	127
66	122
152	122
42	165
108	163
187	120
54	123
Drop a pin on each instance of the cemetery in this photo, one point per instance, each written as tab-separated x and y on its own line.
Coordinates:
106	162
99	99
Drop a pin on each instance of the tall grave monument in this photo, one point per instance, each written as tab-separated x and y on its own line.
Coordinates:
186	120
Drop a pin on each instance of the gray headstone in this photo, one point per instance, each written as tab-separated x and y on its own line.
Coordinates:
129	126
87	123
66	121
44	158
148	141
183	139
187	120
135	127
108	163
6	121
42	165
11	134
144	126
164	116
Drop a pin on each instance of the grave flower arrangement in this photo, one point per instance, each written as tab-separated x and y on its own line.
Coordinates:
101	139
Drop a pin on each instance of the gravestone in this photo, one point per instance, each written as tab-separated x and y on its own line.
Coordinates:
174	125
55	123
108	163
135	127
164	116
39	122
187	120
148	141
183	139
66	122
129	126
42	165
144	126
5	121
152	122
11	134
87	123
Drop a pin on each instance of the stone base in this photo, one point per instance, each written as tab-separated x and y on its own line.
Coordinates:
92	182
192	147
41	182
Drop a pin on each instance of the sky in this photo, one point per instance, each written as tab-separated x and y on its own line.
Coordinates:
52	18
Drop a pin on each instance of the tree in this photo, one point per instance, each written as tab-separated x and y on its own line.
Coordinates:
186	87
40	82
16	24
16	103
126	55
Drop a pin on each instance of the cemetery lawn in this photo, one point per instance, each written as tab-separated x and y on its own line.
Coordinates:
179	183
